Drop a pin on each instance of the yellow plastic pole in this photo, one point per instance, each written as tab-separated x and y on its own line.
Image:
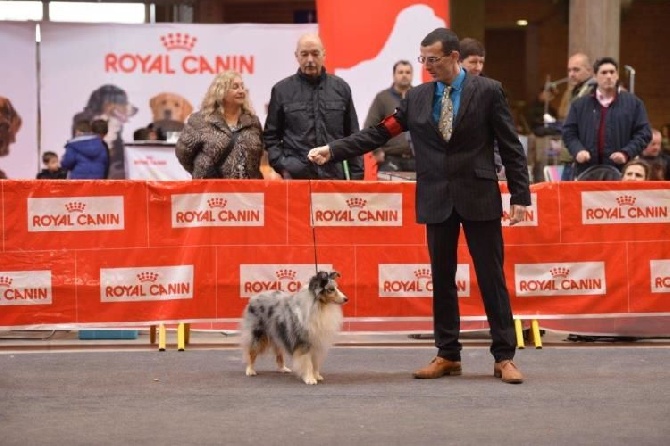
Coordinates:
518	328
535	329
181	337
162	338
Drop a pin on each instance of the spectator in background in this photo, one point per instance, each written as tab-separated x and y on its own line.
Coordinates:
607	127
536	112
665	138
52	169
657	160
223	138
307	110
580	83
86	157
472	56
636	170
397	151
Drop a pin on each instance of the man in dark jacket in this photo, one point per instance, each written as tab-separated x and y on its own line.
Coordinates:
609	126
306	110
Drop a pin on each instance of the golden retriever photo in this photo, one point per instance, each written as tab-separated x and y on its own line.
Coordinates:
169	111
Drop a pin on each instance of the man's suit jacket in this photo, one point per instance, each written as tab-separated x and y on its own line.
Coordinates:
459	174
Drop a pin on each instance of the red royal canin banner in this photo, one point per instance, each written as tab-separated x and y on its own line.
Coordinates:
115	253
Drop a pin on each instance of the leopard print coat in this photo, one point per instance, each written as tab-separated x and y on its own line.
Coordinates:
203	144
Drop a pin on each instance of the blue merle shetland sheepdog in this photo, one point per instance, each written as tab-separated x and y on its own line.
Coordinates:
302	325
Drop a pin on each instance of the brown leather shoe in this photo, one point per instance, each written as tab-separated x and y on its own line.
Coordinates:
508	372
437	368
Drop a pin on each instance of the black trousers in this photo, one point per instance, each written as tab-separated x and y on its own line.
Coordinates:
485	243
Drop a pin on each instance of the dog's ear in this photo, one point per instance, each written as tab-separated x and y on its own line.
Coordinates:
153	102
334	275
187	109
318	283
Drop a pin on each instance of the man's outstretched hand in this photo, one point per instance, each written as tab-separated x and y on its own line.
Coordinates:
319	155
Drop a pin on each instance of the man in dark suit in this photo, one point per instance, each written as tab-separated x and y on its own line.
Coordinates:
457	185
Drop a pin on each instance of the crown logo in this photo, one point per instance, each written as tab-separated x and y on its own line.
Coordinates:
423	273
178	41
626	200
75	206
356	202
283	274
147	276
559	271
217	202
6	281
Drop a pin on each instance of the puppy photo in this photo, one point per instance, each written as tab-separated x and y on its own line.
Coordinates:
110	103
10	123
170	111
302	325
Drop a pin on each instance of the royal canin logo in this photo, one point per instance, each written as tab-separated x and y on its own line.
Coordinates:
147	276
146	284
559	272
416	280
355	202
170	63
286	274
25	288
626	200
332	209
644	206
586	278
178	41
75	206
217	202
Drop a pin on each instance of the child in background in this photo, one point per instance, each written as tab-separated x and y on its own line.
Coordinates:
52	169
86	157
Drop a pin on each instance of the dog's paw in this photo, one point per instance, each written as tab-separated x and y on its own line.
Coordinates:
284	370
319	377
309	380
251	372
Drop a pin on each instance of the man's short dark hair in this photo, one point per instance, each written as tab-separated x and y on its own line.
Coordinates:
401	62
448	38
471	47
602	61
48	156
99	127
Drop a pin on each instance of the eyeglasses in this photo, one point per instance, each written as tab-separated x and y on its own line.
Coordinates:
430	60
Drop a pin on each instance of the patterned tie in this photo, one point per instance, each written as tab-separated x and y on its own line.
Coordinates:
446	115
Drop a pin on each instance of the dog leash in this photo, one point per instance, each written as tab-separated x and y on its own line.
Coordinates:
311	219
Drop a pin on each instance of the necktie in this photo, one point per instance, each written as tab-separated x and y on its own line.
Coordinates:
446	115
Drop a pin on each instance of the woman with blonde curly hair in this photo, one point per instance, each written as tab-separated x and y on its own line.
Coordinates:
224	138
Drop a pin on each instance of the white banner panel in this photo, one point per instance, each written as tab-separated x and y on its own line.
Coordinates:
115	71
18	101
152	161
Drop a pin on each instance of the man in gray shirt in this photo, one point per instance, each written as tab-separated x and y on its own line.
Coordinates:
398	152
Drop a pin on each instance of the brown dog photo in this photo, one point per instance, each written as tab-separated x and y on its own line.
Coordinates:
10	123
169	111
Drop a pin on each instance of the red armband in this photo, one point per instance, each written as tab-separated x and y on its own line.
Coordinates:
392	125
